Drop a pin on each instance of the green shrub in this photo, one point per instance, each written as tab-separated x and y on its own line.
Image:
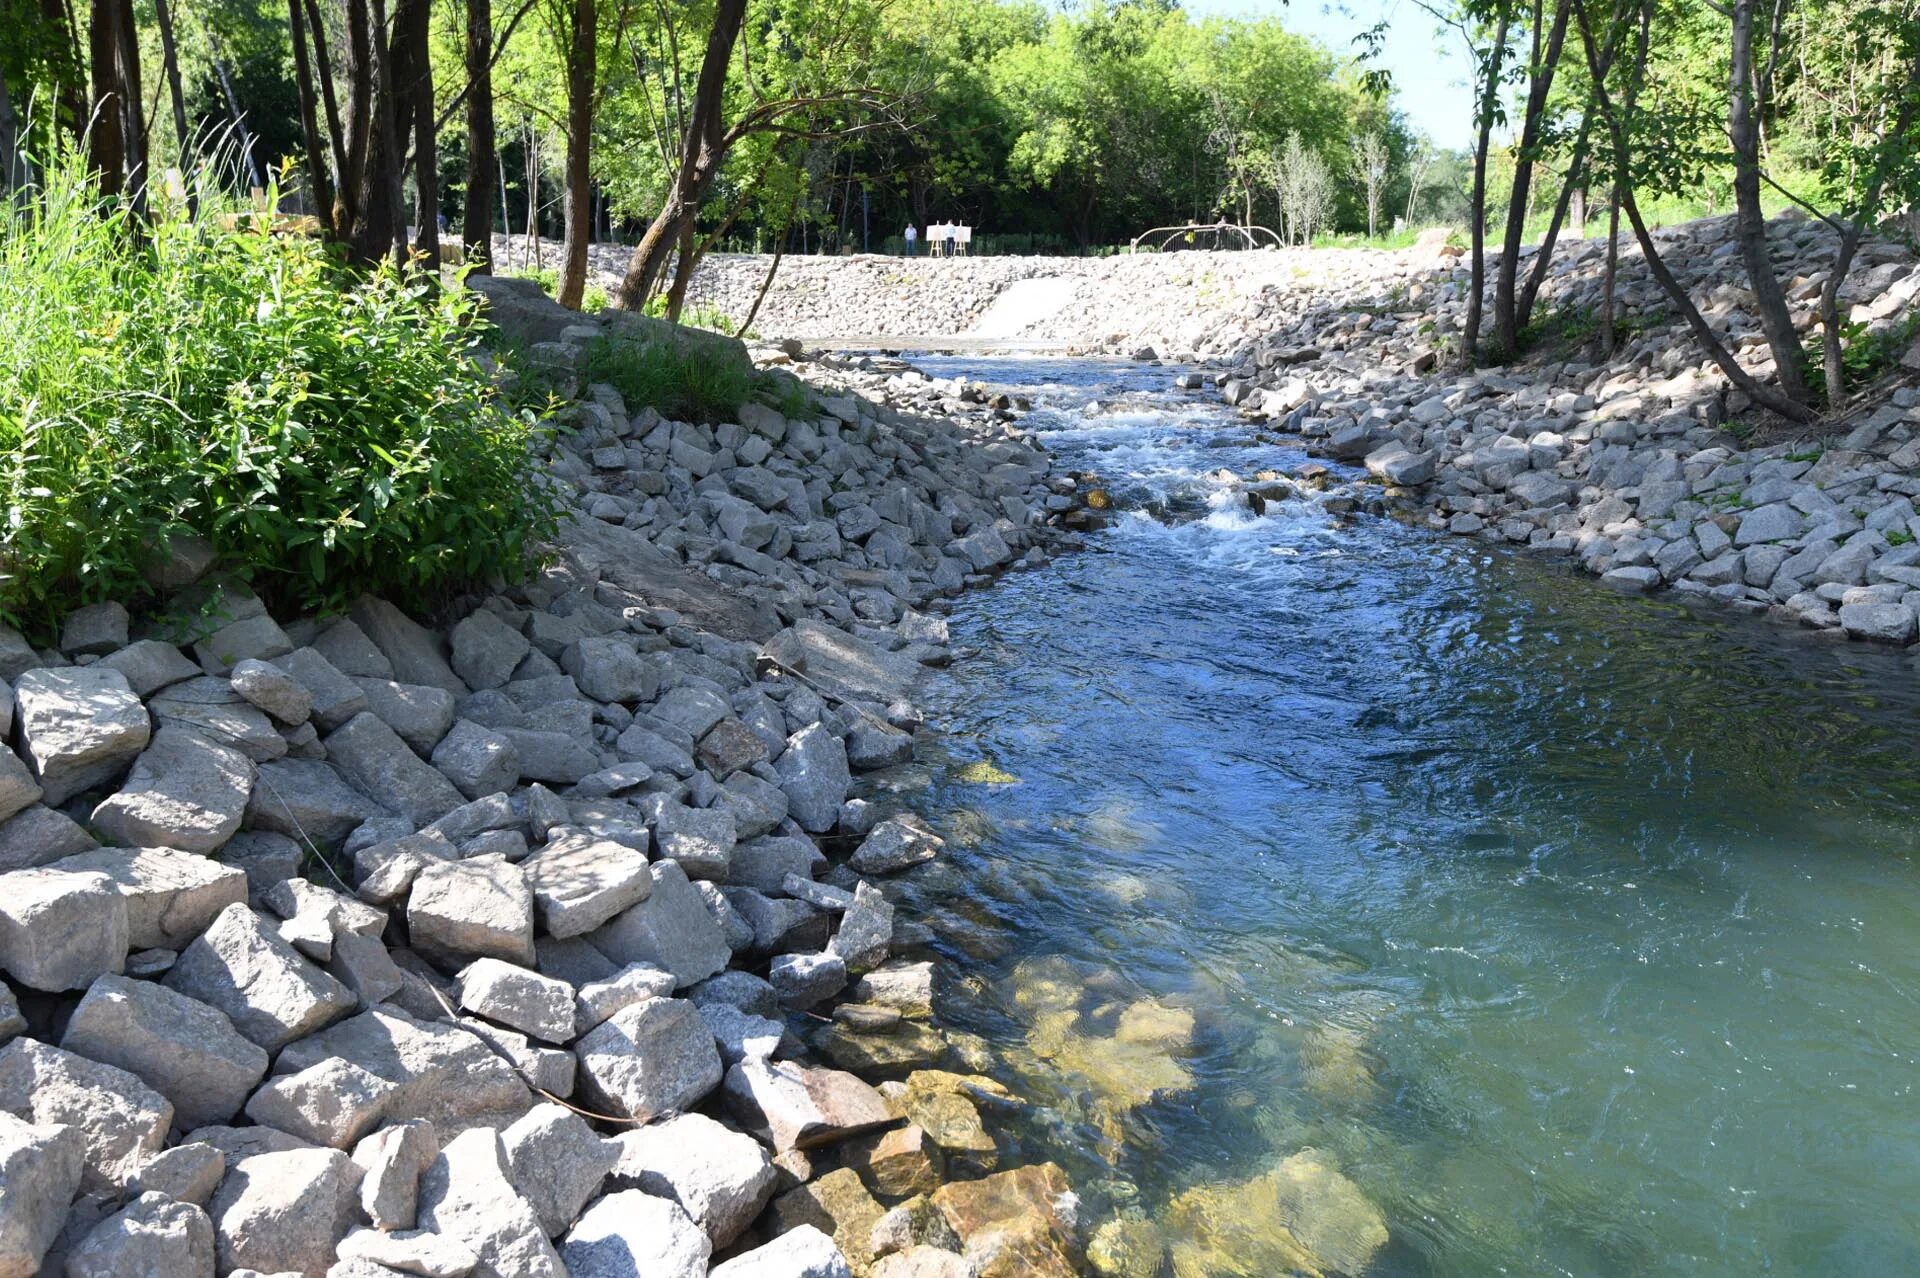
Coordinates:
329	433
1865	354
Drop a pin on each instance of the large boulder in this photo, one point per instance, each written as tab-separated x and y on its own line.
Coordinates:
671	929
187	1051
720	1177
1016	1224
651	1058
185	792
557	1163
443	1073
581	881
59	929
634	1235
171	896
475	908
372	758
40	1172
465	1194
80	726
795	1106
272	995
802	1252
285	1211
151	1237
121	1121
814	774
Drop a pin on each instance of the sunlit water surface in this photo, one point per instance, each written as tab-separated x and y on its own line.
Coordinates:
1581	932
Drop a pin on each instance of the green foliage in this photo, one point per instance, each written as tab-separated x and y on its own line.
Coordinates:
1898	537
694	381
593	299
1865	353
328	434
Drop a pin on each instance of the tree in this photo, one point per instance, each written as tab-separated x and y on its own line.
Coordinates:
1542	63
476	224
1747	84
580	25
1374	158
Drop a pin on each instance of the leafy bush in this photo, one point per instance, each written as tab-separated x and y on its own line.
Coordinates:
1865	353
328	433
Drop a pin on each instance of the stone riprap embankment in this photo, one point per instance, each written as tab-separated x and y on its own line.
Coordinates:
557	940
1638	465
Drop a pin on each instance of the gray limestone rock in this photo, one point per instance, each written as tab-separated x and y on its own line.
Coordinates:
805	980
895	844
122	1123
486	650
813	772
304	799
650	1058
185	791
557	1163
284	1212
152	1237
518	997
794	1106
866	930
671	929
483	907
419	713
333	1102
185	1050
414	652
40	1169
95	630
273	996
187	1173
391	1162
465	1194
700	839
59	930
479	761
721	1178
634	1235
273	690
373	759
79	727
802	1252
445	1074
171	896
332	695
581	881
39	835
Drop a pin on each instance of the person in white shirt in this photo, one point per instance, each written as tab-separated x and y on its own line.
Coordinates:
912	237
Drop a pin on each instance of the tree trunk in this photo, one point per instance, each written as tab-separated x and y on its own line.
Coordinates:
1569	190
106	142
10	175
170	63
683	271
350	191
700	156
581	77
381	231
413	115
320	187
1609	340
1506	316
323	71
1750	223
476	218
765	284
1477	210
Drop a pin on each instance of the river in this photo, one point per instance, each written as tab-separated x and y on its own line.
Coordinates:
1577	931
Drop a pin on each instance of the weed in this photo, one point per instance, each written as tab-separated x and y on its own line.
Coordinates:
698	381
1865	353
1898	537
329	433
1813	454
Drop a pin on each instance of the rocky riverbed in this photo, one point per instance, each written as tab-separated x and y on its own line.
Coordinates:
559	938
1646	466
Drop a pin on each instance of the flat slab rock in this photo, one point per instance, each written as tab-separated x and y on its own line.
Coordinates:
841	665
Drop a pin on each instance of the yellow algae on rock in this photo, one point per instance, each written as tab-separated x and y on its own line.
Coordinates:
1300	1218
1335	1067
986	772
1129	1074
1127	1247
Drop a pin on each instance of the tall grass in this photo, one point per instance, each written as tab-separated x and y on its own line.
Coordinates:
329	433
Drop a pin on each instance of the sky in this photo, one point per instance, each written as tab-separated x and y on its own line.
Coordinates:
1430	71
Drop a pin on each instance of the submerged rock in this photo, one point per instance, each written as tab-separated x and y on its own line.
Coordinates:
1302	1216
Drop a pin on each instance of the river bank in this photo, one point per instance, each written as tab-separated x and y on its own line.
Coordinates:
1645	466
556	933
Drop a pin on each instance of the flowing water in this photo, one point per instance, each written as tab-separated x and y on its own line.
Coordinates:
1580	933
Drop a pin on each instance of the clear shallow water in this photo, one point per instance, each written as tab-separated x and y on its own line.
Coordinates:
1581	932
